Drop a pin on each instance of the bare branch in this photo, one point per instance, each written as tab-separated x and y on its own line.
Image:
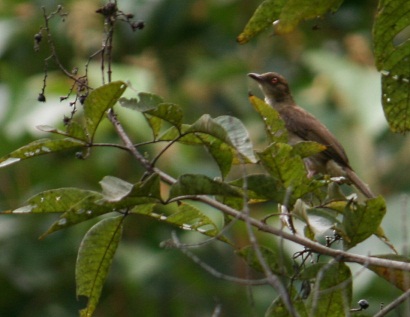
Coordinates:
393	304
177	244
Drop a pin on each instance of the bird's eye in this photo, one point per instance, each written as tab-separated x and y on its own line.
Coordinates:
275	80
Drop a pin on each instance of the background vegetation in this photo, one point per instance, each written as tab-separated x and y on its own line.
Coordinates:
187	53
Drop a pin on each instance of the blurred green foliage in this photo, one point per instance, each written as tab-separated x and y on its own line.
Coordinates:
187	53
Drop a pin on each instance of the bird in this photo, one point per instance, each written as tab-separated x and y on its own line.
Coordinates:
303	126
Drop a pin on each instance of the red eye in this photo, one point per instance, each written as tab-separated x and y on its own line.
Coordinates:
275	80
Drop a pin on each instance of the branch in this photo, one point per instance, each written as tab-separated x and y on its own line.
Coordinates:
314	246
393	304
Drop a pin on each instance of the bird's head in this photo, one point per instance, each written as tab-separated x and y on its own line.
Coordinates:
273	85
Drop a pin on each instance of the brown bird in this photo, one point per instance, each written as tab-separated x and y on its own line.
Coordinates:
302	126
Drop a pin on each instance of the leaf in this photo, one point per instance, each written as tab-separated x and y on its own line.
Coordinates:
267	12
392	53
261	187
220	151
274	125
74	130
94	260
190	184
75	205
98	102
163	112
155	110
300	212
399	278
283	164
187	217
144	102
332	291
238	136
296	11
57	201
40	147
144	209
116	189
190	218
169	112
285	15
181	135
229	130
308	148
224	137
155	123
320	220
360	221
278	308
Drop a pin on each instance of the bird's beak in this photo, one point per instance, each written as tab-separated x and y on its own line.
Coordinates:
255	76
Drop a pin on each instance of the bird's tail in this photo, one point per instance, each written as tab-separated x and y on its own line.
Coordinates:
358	183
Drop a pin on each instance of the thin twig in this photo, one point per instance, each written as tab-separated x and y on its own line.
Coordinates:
177	244
393	304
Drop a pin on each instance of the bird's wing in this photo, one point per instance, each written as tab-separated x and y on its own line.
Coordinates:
301	123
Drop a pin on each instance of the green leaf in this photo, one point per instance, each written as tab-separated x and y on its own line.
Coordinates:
206	124
283	164
296	11
229	130
145	102
181	135
285	15
274	125
332	292
308	148
155	123
76	206
360	221
145	209
261	187
224	137
116	189
238	136
163	112
190	218
190	184
58	201
40	147
187	217
155	110
319	220
267	12
94	260
98	102
220	151
396	277
278	307
392	53
74	130
169	112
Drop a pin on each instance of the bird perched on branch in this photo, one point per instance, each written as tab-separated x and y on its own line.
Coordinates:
302	126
